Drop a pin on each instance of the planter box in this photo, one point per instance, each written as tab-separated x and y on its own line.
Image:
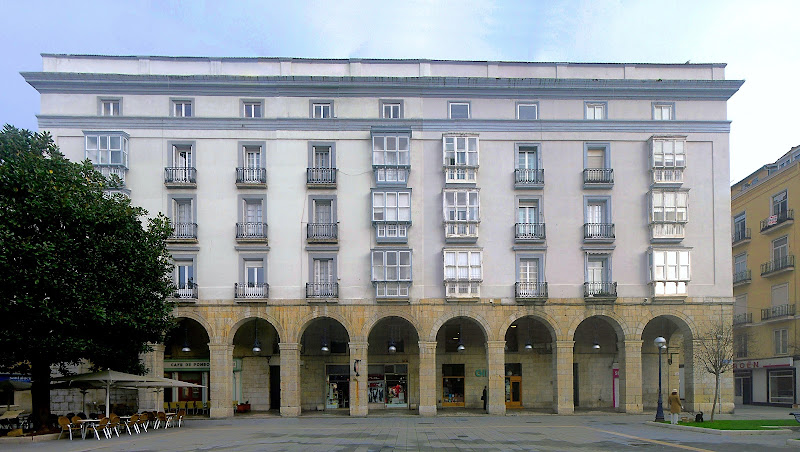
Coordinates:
243	408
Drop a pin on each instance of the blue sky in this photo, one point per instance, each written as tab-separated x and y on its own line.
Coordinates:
756	38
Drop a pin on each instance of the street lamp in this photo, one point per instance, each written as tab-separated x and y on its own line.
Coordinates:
661	344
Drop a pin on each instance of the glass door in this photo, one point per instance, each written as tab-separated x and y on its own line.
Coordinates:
513	392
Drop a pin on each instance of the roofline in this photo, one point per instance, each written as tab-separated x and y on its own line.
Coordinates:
765	166
374	60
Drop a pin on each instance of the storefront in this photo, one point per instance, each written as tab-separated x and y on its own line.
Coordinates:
453	385
765	382
337	385
196	371
513	385
388	385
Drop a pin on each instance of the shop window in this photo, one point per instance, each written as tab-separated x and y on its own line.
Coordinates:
781	386
513	370
452	385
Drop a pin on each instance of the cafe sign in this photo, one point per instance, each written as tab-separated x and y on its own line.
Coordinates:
194	365
763	363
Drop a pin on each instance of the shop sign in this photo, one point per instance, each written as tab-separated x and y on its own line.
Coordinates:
763	363
481	373
195	365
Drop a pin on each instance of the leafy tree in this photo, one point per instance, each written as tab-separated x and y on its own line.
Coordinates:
80	277
715	354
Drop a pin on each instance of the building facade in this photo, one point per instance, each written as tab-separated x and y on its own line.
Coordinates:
400	234
765	284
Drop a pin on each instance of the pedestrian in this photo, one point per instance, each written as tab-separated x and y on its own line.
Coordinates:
483	397
674	402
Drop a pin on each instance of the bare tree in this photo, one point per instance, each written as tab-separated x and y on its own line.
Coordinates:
715	354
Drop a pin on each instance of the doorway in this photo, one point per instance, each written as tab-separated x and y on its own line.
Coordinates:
575	384
513	392
274	387
338	386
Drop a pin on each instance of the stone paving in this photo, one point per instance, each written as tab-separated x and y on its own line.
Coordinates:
530	432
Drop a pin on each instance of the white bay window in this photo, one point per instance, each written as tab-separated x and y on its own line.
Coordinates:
391	273
461	213
391	214
463	273
390	158
461	157
668	160
669	272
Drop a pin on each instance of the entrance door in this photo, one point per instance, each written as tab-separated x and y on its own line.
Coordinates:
274	387
747	391
513	392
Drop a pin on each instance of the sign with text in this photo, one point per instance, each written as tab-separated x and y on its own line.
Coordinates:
763	363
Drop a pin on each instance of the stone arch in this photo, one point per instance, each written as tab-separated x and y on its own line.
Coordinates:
542	317
482	322
303	324
370	323
231	333
200	320
617	323
684	322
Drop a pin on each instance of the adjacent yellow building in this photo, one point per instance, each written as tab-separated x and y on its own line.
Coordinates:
765	283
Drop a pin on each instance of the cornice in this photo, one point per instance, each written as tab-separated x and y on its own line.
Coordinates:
357	124
327	86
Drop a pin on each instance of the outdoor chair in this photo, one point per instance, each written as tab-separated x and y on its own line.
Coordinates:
68	427
100	427
163	421
205	407
173	406
113	424
166	406
143	421
190	406
132	423
179	417
182	405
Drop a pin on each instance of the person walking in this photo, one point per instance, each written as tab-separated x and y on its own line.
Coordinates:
674	402
483	397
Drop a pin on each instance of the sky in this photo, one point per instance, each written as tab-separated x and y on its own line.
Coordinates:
757	39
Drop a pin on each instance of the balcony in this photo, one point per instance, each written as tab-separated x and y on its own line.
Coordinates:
740	237
741	278
393	175
529	232
667	177
598	178
112	170
462	290
743	319
598	232
322	232
391	231
599	291
667	232
251	290
392	290
187	291
322	290
251	232
530	291
529	178
180	177
773	222
461	230
460	174
251	177
775	312
184	232
321	177
780	265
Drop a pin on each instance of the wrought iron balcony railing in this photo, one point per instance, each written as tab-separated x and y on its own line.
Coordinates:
600	290
255	231
530	290
322	290
741	277
777	219
322	232
528	177
742	319
180	175
252	290
598	176
598	231
784	310
321	176
184	231
186	291
740	236
778	264
529	231
254	176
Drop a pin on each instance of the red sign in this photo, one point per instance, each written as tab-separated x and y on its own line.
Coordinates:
772	220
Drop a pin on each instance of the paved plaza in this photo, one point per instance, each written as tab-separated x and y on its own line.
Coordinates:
533	432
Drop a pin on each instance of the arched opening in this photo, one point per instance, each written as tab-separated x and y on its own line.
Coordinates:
325	368
461	364
673	364
256	366
187	358
529	365
596	364
393	357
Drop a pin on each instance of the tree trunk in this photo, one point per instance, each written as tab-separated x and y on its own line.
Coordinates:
40	394
716	395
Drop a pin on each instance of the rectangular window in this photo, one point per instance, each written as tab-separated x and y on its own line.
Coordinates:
391	110
461	205
461	158
781	341
663	112
740	345
391	158
780	249
253	211
595	110
669	153
322	157
323	271
322	110
323	211
528	111
182	108
597	270
254	273
183	219
781	386
391	206
528	270
669	206
110	107
780	204
780	294
252	157
528	157
740	263
462	265
184	279
669	272
459	110
596	157
251	109
391	272
107	149
739	227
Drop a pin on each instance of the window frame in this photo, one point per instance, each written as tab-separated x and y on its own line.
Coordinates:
312	145
312	106
175	101
466	208
124	147
243	103
740	258
780	344
382	103
450	105
242	159
605	257
739	218
675	209
784	202
332	256
540	257
521	147
595	104
679	265
597	145
592	199
245	259
385	265
774	248
662	140
191	258
470	252
534	104
101	101
312	199
401	156
656	106
174	199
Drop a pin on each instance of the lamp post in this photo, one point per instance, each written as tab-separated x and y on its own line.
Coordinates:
660	343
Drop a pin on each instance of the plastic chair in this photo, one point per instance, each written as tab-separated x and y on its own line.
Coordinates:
163	420
113	424
133	422
97	428
173	406
66	426
181	414
166	406
205	407
143	421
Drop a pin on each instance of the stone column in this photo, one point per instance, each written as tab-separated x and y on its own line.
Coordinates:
150	398
221	380
290	378
359	386
630	379
496	357
562	377
427	378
